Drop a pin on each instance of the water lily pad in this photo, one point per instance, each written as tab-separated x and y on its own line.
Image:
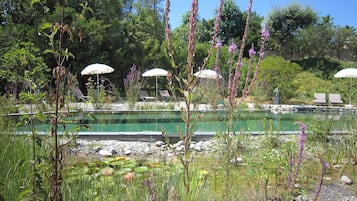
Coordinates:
119	158
141	169
123	171
117	164
130	165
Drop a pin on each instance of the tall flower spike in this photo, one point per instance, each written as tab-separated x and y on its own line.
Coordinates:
219	44
232	47
265	34
252	52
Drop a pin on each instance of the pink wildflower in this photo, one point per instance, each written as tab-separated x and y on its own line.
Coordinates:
265	33
232	47
219	45
252	52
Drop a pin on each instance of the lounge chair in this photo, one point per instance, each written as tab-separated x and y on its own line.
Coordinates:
78	93
320	99
335	99
165	95
145	96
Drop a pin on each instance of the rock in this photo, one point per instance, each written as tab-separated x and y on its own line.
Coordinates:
112	150
148	151
159	143
302	198
197	148
97	148
346	180
180	148
105	153
237	160
179	143
337	166
127	152
170	155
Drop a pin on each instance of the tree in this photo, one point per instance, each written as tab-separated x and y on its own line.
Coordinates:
232	22
284	25
345	42
276	72
20	59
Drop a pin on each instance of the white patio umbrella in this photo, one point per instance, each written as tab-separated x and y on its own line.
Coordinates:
155	72
347	73
97	69
208	74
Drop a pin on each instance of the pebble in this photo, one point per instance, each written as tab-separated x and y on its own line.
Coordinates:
105	153
346	180
127	152
108	148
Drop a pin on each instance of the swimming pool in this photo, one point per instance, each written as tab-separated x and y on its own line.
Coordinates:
206	123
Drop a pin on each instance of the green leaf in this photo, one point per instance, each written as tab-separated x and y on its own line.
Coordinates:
23	194
45	26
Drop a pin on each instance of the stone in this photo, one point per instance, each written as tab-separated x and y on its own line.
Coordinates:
97	148
302	198
180	148
112	150
179	143
105	153
237	160
346	180
159	143
127	152
197	148
337	166
170	155
148	151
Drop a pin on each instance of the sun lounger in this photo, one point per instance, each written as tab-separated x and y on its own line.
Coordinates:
165	95
320	99
145	96
335	99
78	93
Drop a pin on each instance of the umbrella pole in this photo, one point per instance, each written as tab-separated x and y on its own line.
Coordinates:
156	89
97	85
351	91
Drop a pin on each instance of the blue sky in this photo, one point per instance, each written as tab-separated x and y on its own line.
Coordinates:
344	12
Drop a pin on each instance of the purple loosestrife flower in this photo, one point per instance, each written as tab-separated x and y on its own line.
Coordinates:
219	45
265	33
252	52
232	47
302	136
301	143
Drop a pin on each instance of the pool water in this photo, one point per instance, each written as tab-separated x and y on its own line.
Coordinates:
205	122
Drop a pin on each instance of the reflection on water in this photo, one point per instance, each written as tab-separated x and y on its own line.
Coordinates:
205	122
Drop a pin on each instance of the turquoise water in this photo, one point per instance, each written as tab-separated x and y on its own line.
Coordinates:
203	121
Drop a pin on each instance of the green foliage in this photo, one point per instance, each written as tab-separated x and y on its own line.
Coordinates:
285	23
23	63
323	68
232	22
306	84
277	73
